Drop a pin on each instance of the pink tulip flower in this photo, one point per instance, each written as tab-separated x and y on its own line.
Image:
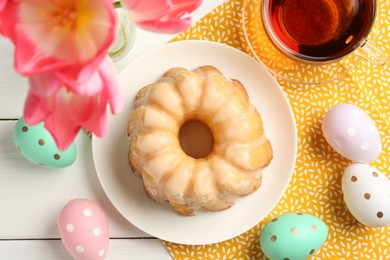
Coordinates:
162	16
69	38
62	46
65	112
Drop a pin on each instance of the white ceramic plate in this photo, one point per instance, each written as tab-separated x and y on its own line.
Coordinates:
125	190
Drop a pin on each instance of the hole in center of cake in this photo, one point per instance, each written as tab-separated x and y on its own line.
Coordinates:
196	139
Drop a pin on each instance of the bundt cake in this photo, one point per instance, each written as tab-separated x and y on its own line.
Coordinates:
190	181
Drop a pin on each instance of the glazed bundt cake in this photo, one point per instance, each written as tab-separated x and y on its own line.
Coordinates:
239	149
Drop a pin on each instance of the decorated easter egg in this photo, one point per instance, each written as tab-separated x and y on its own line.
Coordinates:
293	236
352	133
83	230
37	145
367	194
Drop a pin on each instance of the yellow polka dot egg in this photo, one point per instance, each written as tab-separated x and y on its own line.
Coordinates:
293	236
37	145
352	133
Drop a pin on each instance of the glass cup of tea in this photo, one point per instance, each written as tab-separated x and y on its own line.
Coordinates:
311	41
321	31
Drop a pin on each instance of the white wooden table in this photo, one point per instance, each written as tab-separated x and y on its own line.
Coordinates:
31	197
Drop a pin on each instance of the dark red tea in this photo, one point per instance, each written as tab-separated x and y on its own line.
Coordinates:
320	29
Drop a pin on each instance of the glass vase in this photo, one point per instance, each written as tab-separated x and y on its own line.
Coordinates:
125	36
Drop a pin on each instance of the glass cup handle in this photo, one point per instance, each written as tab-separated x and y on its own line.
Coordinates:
371	53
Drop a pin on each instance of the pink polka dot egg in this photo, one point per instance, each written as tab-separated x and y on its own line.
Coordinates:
352	133
84	230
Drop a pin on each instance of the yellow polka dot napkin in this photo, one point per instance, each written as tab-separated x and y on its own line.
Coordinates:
315	187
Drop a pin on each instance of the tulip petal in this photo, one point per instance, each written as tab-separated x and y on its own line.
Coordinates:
61	126
36	108
108	75
144	10
2	4
173	22
54	112
72	31
2	7
65	112
182	7
38	49
91	87
8	14
91	113
45	84
167	26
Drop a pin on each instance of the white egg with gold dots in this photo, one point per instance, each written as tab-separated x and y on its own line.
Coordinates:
367	194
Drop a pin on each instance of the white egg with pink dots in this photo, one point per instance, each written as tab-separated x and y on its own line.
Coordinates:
84	230
352	133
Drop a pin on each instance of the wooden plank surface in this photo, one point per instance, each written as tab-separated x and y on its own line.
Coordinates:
119	249
32	196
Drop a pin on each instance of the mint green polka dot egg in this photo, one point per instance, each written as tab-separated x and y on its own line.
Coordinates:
293	236
37	145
